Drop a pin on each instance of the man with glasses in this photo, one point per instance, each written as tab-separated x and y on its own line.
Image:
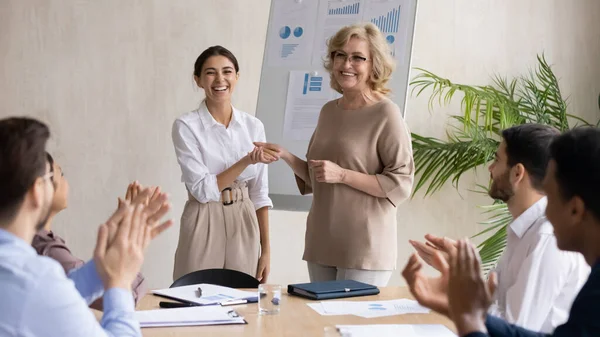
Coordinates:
37	298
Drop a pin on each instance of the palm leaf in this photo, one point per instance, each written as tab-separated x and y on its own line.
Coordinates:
491	249
473	135
437	161
541	98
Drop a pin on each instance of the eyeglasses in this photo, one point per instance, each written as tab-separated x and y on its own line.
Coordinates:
48	175
340	57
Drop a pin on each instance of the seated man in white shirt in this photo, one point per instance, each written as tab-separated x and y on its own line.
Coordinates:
537	282
37	297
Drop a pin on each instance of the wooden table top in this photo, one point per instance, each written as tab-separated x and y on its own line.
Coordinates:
296	319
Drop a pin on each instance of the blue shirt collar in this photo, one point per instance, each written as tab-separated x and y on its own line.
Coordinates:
9	239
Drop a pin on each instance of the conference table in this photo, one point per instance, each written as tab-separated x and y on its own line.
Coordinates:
296	319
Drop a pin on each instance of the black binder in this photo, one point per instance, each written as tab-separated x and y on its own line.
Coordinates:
332	289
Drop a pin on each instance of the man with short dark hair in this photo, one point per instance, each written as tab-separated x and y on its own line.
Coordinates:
571	184
536	281
37	298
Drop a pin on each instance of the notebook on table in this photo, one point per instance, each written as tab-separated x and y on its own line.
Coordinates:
332	289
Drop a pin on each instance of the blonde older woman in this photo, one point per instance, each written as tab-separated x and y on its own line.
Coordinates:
359	165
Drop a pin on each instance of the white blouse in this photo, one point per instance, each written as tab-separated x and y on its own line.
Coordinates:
205	148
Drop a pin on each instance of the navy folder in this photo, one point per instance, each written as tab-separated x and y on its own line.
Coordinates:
332	289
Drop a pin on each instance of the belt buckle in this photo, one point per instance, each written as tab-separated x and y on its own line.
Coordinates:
230	202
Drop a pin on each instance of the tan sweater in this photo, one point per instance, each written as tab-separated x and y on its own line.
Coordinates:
347	228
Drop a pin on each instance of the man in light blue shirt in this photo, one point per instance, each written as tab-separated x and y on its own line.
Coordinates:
36	297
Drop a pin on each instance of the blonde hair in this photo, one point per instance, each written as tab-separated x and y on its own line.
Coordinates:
381	57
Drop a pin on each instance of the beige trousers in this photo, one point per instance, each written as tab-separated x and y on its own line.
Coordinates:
215	235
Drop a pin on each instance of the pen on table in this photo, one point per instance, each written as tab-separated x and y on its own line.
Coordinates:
235	302
176	304
238	302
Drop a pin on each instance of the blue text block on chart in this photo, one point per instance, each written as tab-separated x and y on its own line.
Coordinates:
312	83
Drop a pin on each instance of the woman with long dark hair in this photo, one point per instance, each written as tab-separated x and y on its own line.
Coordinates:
225	222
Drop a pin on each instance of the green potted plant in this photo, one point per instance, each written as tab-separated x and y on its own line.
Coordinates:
474	135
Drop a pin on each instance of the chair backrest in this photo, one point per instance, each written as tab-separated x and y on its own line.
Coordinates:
222	277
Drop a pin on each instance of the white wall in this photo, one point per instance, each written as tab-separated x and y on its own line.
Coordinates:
111	76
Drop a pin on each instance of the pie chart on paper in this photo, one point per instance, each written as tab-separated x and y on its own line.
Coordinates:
285	32
298	31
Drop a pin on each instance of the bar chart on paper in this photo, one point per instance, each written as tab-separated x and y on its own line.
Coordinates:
353	9
331	16
388	23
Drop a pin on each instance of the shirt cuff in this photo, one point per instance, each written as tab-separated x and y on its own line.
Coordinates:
119	300
206	190
87	281
260	202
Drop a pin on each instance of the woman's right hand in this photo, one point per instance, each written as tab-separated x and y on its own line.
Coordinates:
261	155
272	149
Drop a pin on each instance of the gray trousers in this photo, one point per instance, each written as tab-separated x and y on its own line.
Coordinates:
319	273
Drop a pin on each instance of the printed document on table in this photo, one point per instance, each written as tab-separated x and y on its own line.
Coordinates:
291	33
395	330
307	93
370	309
318	307
211	294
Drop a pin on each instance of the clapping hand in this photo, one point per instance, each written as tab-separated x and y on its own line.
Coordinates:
427	249
469	295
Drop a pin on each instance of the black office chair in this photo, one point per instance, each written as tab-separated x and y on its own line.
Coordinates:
222	277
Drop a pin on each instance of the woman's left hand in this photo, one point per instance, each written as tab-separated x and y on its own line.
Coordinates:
264	267
326	171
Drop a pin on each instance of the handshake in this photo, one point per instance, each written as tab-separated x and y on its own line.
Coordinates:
124	237
265	153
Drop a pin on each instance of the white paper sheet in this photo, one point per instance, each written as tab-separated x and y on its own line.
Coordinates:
318	307
335	14
291	33
331	16
370	309
208	315
385	14
211	294
395	330
307	93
